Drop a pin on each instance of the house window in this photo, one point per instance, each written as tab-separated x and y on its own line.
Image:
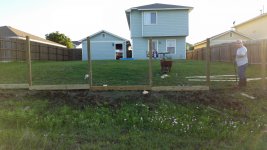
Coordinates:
103	35
150	18
118	46
171	46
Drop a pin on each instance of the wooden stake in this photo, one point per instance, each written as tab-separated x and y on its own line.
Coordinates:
150	64
89	62
28	47
208	63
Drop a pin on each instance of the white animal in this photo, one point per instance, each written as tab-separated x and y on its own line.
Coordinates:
86	76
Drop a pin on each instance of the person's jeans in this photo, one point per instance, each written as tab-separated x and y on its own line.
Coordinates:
242	71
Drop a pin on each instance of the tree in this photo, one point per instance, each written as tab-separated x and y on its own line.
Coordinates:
59	38
189	47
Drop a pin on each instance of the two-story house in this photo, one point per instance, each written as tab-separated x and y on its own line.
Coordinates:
254	28
167	25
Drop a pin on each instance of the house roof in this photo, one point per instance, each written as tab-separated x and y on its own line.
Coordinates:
76	42
10	32
252	19
107	33
159	6
221	34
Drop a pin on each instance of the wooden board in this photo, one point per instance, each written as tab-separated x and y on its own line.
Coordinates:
60	87
120	88
180	88
14	86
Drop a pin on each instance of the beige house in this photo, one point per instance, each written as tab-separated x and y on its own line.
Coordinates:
225	37
255	28
7	32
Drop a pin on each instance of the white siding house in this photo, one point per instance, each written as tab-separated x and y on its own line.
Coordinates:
104	46
166	24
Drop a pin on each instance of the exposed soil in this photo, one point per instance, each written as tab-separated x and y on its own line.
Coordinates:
82	98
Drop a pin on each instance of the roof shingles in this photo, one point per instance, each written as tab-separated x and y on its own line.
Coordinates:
161	6
9	32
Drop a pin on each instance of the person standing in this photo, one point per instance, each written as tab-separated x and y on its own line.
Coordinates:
154	54
242	63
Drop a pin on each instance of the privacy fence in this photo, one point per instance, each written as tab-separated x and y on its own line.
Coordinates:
226	52
15	50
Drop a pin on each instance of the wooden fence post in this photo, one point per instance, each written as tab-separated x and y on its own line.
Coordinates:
0	48
16	48
208	63
150	64
263	63
28	48
89	62
56	54
39	49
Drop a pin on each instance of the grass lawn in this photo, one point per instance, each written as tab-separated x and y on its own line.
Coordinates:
116	72
112	120
215	119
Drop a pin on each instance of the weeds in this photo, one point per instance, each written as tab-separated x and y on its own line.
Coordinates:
36	124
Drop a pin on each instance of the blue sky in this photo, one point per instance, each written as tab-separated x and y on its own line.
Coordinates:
80	18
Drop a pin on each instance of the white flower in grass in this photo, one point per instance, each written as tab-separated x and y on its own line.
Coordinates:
174	122
86	76
145	92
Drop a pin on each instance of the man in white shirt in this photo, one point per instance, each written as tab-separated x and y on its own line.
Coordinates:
242	63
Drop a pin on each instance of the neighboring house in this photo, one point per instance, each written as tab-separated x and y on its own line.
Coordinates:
167	25
254	28
105	46
77	44
7	32
225	37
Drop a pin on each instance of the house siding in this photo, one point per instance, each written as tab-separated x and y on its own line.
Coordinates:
225	38
255	29
169	23
103	48
136	24
228	38
140	46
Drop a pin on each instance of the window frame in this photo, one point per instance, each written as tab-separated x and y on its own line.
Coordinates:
149	22
168	40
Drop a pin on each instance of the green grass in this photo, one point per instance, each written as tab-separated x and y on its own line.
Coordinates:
214	120
116	72
31	123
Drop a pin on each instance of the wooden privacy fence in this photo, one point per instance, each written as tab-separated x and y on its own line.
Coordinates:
226	52
15	50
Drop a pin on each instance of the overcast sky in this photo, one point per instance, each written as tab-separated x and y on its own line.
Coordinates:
80	18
